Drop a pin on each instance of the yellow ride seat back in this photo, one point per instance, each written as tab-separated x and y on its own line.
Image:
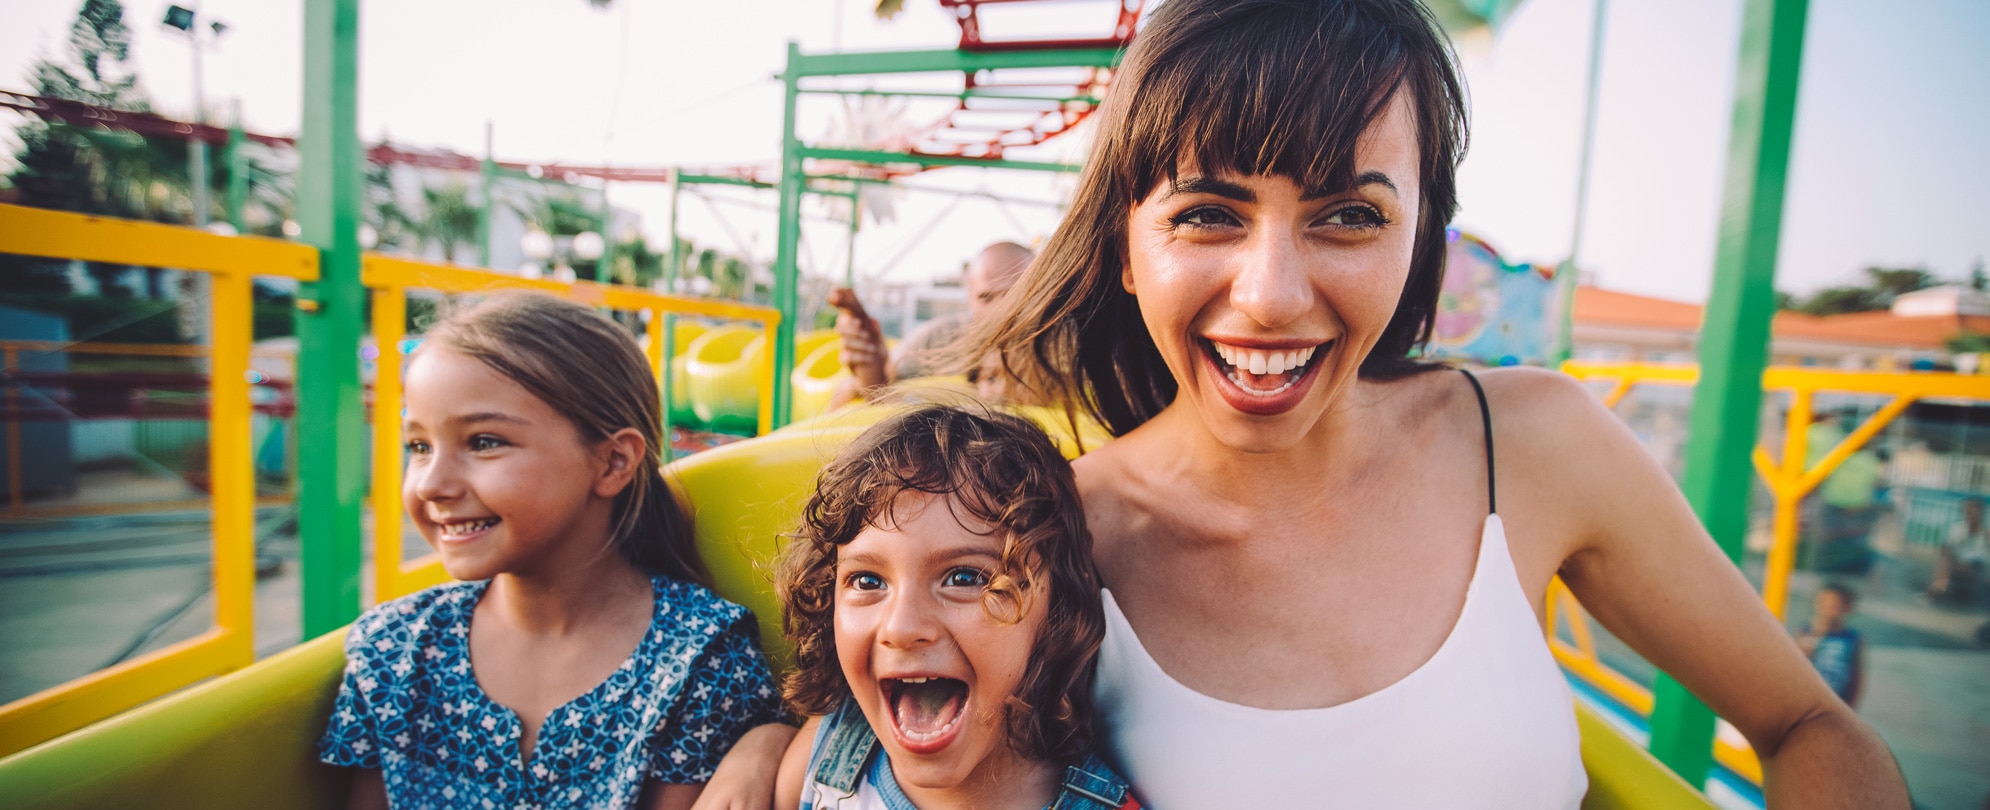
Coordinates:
248	740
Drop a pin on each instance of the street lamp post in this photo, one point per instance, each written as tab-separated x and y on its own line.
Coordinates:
193	286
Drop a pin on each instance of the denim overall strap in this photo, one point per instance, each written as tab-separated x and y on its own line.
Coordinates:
1090	786
847	747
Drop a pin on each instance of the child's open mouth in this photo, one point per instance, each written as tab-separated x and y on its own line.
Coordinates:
925	711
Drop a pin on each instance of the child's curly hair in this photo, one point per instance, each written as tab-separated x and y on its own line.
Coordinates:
1000	470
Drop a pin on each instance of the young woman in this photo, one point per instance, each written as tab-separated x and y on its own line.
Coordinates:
1325	560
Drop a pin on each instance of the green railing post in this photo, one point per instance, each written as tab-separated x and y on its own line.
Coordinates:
330	417
1727	403
1569	276
670	319
789	238
484	202
238	171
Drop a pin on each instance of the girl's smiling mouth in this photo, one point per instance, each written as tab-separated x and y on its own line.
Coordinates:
458	531
925	711
1263	380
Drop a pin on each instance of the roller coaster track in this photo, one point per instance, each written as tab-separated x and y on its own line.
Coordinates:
995	110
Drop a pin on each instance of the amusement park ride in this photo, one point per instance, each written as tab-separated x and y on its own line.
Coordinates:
148	728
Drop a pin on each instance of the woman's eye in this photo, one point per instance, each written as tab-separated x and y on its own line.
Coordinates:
479	444
1205	216
1357	216
966	578
864	582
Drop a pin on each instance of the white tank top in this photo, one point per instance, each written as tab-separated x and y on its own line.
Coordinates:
1487	722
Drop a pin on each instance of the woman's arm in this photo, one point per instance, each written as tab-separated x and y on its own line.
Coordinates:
659	796
794	768
1639	560
744	779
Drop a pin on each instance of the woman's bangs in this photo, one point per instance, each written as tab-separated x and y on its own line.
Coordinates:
1259	99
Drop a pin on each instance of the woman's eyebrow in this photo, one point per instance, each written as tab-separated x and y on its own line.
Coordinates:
1371	177
1199	184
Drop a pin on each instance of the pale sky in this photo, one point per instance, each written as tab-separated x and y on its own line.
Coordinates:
1890	167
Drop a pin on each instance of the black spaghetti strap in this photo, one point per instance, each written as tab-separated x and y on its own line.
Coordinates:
1485	415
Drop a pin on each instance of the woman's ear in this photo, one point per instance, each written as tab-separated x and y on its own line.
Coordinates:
622	455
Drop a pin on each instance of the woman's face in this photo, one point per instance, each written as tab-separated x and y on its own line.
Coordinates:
1264	297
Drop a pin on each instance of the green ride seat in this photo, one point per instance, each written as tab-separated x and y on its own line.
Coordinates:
248	739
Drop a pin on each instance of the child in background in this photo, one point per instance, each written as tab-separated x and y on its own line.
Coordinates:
946	618
1836	650
580	660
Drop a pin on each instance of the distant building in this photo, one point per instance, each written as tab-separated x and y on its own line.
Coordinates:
1613	326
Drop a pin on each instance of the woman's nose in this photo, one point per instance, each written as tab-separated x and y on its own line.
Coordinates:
1271	286
911	621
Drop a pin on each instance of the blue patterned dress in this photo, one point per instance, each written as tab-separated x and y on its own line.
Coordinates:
411	707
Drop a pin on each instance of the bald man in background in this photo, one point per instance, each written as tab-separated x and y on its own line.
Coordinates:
989	276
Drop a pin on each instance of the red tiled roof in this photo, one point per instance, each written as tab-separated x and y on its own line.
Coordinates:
1602	307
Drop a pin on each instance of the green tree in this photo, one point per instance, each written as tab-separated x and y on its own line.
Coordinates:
449	218
1883	285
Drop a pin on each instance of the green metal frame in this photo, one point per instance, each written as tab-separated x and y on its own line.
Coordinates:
1734	342
795	154
331	420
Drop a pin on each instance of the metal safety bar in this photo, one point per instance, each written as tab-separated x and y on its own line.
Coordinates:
389	279
232	261
1789	481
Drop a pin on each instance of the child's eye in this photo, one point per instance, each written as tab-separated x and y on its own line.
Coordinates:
482	443
863	581
966	578
417	447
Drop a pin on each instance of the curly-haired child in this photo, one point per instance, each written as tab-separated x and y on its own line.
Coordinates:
946	618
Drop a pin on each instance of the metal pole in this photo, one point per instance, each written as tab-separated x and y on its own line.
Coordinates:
792	182
330	414
1727	402
196	147
484	201
238	171
1572	269
850	248
669	365
604	267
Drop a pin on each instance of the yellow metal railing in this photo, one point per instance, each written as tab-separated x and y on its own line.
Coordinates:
231	262
1788	481
390	278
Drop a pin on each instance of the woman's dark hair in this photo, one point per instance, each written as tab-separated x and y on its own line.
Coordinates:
1258	87
992	468
591	371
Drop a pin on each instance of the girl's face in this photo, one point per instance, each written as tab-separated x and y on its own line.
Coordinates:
1264	297
497	481
928	664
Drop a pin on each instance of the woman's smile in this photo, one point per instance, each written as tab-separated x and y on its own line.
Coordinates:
1259	379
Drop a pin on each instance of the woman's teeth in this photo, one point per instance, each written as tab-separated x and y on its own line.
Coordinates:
1261	362
461	528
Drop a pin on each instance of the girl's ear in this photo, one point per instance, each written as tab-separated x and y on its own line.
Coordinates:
622	454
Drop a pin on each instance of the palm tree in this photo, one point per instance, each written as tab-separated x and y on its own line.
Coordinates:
449	217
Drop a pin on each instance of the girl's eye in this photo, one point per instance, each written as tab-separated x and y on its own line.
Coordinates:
965	578
1203	216
864	581
1360	217
417	447
479	444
